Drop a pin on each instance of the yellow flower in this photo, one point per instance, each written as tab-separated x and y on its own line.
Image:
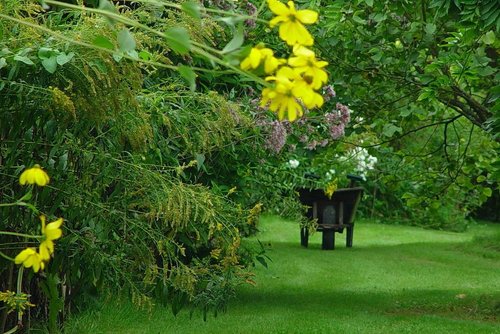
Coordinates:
288	90
291	22
306	63
261	54
330	188
30	258
34	175
282	98
51	232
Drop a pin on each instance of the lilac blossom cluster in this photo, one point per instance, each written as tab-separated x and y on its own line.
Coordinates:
328	93
277	138
337	120
252	11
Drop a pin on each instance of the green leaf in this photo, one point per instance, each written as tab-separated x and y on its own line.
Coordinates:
178	39
237	40
24	59
192	9
200	160
45	53
369	2
489	38
487	192
103	42
64	58
189	75
3	63
144	55
359	20
430	28
50	64
481	178
126	41
390	129
106	5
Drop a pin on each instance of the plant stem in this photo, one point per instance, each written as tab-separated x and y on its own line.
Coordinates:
6	256
21	234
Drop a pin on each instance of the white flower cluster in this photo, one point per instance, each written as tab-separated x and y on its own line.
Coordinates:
330	174
293	163
364	161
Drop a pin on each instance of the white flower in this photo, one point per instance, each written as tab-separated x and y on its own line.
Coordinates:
293	163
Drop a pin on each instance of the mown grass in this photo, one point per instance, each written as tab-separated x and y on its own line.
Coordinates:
396	279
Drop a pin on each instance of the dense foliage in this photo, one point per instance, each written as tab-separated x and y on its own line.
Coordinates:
127	147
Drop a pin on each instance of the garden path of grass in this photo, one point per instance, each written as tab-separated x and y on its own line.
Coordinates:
396	279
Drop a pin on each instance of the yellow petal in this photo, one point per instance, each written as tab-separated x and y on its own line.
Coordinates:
271	64
36	263
23	255
30	260
255	57
23	178
46	249
278	7
292	110
307	16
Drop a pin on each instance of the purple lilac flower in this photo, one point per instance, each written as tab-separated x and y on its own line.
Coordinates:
277	138
323	143
337	131
312	145
332	117
345	113
252	10
328	92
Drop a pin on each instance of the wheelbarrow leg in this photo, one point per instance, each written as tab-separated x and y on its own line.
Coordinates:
350	232
304	237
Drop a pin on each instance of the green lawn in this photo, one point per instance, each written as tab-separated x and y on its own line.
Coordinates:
396	279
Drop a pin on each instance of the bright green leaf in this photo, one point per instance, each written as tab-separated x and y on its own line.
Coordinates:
237	40
103	42
369	2
3	63
430	28
178	39
144	55
64	58
126	41
487	192
189	75
24	59
192	9
44	53
489	38
50	64
481	178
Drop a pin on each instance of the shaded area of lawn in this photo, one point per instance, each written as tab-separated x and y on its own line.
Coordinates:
396	279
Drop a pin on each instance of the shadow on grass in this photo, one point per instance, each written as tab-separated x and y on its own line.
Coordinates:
450	304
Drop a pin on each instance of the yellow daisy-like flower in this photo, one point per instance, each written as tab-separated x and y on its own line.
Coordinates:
51	232
291	22
34	175
30	258
305	63
281	98
261	54
288	90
